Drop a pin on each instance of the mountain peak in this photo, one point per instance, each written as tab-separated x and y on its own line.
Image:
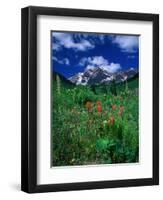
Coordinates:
98	75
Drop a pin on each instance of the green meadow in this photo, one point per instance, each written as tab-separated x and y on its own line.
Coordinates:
94	124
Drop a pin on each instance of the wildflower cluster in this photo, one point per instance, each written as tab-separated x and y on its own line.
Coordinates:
99	109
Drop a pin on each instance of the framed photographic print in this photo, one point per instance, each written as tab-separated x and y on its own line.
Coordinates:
90	99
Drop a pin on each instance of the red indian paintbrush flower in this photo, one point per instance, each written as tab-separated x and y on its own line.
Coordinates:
98	103
89	106
114	107
111	120
121	110
99	109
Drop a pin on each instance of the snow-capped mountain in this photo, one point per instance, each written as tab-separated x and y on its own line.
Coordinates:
99	75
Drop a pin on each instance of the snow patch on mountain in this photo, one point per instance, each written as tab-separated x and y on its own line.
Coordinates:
99	75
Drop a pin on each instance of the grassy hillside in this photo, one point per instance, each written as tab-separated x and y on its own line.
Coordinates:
94	125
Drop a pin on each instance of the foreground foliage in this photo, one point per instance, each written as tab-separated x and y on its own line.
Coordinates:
94	126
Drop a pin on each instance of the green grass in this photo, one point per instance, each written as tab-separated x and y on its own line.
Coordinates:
86	131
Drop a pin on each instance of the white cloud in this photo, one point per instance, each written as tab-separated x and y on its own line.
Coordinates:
112	67
64	61
95	60
83	61
66	40
90	67
67	62
102	38
131	56
93	38
127	44
99	61
56	46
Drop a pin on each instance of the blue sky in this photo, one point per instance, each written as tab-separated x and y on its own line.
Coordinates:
76	52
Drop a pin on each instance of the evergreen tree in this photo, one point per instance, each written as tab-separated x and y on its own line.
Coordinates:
113	88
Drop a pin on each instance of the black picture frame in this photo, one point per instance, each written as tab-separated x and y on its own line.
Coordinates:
29	99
